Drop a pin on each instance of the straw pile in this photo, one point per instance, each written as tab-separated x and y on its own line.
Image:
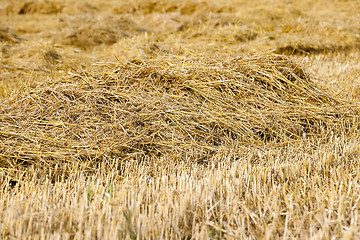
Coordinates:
186	107
7	34
171	6
31	7
94	31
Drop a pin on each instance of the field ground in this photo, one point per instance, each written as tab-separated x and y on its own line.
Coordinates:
179	119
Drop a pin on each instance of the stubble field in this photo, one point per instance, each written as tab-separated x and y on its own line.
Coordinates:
179	119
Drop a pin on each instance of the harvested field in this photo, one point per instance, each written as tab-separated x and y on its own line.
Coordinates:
179	119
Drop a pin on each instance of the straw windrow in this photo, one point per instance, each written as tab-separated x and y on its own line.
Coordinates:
188	106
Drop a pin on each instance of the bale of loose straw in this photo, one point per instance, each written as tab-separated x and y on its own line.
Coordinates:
184	107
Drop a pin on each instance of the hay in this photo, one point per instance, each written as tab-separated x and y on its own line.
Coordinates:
172	6
42	7
8	35
181	107
303	49
95	31
32	7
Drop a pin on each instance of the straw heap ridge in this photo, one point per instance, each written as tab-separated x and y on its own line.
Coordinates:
182	107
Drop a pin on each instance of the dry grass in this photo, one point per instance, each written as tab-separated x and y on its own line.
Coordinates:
172	120
190	106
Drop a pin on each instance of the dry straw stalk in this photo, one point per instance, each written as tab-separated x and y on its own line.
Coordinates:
185	107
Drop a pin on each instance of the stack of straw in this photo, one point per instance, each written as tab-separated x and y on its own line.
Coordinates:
183	107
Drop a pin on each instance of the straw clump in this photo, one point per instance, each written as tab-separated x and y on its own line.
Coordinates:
182	7
33	7
7	35
188	107
96	30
